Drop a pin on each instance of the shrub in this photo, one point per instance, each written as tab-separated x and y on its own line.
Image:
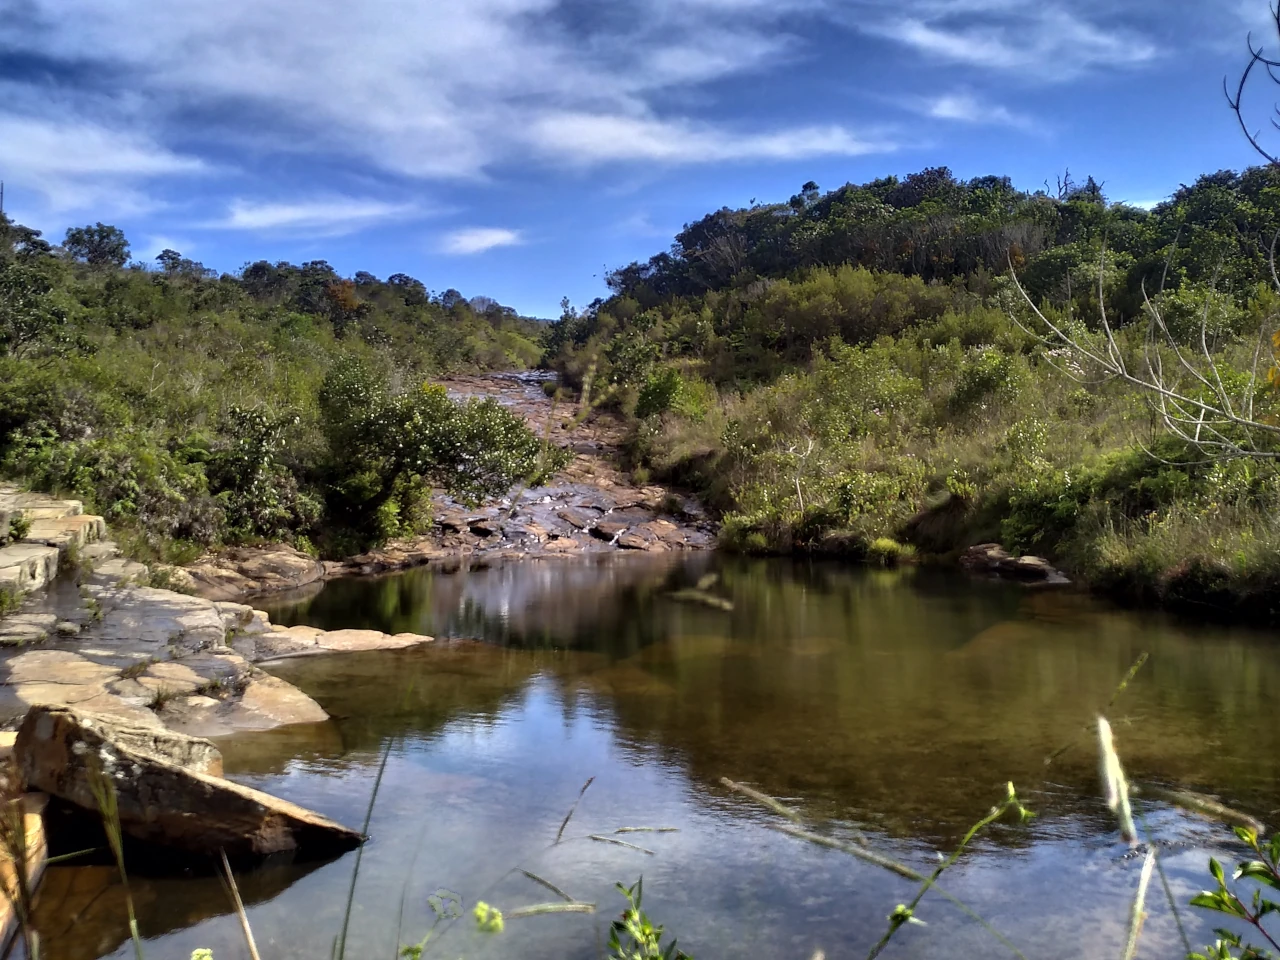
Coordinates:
887	552
19	526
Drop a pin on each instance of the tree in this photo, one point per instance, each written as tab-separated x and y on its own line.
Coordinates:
100	245
169	260
29	319
381	441
343	307
19	242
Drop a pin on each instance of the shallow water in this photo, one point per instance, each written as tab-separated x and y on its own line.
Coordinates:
896	704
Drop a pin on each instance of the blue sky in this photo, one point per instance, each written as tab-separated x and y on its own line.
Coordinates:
519	148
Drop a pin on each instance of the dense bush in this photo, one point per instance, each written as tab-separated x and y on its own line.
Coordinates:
871	386
187	406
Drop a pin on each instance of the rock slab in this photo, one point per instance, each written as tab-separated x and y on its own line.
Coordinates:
992	558
63	752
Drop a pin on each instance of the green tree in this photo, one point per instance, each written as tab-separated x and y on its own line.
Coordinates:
383	442
99	245
30	322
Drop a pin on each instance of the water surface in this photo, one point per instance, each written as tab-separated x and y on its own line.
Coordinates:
892	704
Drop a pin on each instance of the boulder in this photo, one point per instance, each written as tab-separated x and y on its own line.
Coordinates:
163	793
609	530
251	570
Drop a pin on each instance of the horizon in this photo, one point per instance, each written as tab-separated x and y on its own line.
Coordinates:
529	146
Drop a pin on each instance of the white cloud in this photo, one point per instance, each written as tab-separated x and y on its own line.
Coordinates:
73	164
326	216
966	108
441	89
479	239
1044	41
463	88
586	138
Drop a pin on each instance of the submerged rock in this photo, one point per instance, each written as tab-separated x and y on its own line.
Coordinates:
166	788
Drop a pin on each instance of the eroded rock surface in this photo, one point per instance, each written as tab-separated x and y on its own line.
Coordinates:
162	793
252	570
100	640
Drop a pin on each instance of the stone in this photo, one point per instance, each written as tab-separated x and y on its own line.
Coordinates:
46	721
635	541
253	570
27	566
21	628
609	530
62	752
62	532
991	558
100	551
581	519
160	621
485	527
65	628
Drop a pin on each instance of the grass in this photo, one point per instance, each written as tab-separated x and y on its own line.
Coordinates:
10	600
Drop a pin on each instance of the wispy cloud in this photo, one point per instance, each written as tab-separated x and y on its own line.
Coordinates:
328	216
74	163
474	240
476	90
967	108
1044	41
586	138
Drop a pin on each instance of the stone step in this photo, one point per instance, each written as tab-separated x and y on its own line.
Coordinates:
62	532
27	566
37	506
100	551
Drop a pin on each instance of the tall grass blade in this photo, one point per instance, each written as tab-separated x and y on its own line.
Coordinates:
763	799
542	909
862	853
569	816
340	951
1115	695
13	841
1115	786
1199	803
620	843
104	795
905	913
549	885
1137	913
234	891
901	870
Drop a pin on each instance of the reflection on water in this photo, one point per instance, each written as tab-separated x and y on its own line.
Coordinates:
898	703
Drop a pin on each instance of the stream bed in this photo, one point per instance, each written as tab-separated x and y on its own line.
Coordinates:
892	704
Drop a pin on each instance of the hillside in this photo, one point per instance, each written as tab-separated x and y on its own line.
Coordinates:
856	372
281	403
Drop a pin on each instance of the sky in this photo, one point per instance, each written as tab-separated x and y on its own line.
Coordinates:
519	149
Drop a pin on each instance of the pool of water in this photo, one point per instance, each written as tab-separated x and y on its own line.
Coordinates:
895	705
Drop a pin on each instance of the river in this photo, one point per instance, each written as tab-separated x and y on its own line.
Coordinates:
892	704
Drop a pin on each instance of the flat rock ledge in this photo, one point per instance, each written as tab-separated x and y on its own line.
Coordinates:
160	659
993	560
166	789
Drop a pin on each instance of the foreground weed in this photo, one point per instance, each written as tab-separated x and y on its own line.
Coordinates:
1250	907
633	935
104	794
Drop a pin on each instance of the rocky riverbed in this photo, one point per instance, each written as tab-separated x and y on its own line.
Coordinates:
591	506
103	634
